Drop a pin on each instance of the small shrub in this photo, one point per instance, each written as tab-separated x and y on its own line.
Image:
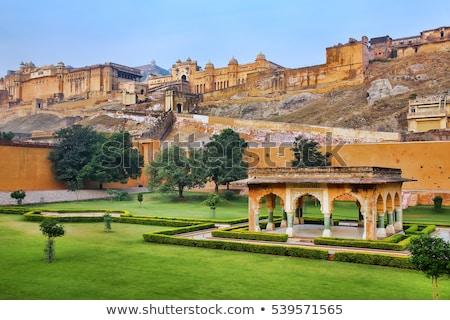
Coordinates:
118	195
437	202
229	195
18	195
140	197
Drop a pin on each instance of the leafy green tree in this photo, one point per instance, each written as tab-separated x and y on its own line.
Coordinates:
116	160
19	195
76	148
52	229
175	169
224	158
431	255
6	135
306	154
83	154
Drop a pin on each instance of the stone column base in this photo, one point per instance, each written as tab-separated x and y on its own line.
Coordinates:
390	229
398	226
270	226
381	232
326	233
290	232
283	224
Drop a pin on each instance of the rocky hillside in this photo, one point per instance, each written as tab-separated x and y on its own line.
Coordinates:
380	103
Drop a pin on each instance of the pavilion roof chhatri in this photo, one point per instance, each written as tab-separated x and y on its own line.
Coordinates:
328	175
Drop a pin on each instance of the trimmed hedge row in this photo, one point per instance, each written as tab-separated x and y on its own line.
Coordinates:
37	216
356	243
416	229
398	242
374	259
291	251
243	233
14	210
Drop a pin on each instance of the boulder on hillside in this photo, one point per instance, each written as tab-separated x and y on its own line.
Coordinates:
382	88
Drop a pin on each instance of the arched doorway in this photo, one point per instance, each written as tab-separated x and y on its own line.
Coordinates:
179	108
275	208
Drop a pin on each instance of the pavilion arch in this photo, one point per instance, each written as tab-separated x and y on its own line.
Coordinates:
358	202
298	202
270	200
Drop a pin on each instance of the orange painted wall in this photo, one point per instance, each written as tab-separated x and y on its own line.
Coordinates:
26	168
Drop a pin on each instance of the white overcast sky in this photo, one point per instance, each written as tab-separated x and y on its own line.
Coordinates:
292	33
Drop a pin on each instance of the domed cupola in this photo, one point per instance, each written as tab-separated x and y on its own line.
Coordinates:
260	56
233	61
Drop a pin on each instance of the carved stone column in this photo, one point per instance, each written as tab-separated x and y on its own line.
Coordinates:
290	224
270	205
284	220
390	226
398	224
326	224
381	230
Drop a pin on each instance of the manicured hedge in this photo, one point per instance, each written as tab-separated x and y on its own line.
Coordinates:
356	243
373	259
243	233
420	229
292	251
14	210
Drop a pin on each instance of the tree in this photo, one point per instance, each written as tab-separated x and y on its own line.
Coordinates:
306	154
211	201
83	154
224	158
19	195
8	136
52	229
431	255
76	148
116	160
140	197
173	169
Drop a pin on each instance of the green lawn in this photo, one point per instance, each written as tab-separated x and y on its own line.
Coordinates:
161	205
92	264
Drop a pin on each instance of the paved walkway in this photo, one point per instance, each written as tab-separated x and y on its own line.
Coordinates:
47	196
